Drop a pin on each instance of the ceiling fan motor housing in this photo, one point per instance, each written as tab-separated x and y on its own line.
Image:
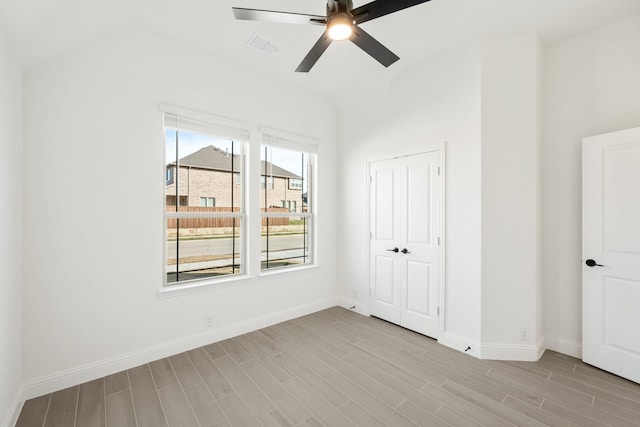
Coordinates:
339	6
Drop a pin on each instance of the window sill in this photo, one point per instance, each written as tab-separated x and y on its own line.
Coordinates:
240	280
283	270
195	287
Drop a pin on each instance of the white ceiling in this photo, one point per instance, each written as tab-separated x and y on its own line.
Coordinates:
41	29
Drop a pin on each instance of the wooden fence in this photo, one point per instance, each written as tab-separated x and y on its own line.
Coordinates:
218	222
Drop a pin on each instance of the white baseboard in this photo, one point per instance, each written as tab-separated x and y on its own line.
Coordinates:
570	348
521	352
542	346
357	306
461	344
13	412
90	371
493	351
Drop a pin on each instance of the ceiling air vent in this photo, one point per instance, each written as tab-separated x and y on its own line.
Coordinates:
263	44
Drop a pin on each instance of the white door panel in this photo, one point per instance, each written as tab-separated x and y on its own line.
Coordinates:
620	164
418	288
621	315
384	280
419	224
386	297
406	226
384	218
611	240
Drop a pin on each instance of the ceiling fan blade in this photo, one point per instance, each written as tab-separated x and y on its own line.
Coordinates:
373	47
379	8
314	54
275	16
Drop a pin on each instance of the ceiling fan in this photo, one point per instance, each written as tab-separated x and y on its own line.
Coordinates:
341	23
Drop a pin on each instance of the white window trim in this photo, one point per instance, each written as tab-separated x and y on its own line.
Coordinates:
292	141
242	215
252	216
287	140
206	117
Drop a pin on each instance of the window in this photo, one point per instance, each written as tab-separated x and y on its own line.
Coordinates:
208	202
205	230
264	180
207	186
295	184
286	234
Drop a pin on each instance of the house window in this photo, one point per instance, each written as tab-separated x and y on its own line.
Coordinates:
205	229
264	181
207	202
295	184
169	176
287	235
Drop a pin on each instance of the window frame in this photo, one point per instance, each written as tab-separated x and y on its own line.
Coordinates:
231	127
296	143
169	175
206	200
295	186
250	218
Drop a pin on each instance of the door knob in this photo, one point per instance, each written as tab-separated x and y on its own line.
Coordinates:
393	250
405	251
593	263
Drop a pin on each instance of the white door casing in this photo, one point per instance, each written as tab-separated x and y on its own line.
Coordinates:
405	214
611	241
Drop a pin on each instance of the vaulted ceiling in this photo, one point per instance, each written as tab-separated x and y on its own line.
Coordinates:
39	30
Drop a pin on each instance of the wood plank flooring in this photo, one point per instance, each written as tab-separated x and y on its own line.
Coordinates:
336	368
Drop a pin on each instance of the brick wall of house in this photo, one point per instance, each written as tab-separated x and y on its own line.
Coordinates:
279	193
195	183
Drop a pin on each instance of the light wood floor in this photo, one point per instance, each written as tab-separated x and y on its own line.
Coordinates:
336	368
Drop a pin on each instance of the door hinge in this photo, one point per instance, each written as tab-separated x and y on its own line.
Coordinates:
438	170
438	241
370	235
438	311
371	178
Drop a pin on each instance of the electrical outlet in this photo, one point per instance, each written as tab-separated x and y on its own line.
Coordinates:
524	334
208	321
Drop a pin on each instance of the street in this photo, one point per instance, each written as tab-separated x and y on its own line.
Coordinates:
223	246
197	254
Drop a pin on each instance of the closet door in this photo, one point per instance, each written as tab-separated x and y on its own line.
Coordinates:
405	256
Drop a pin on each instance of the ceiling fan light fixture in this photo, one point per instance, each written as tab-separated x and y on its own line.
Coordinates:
340	27
342	21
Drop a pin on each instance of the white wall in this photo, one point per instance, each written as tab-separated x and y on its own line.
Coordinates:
11	234
591	87
510	214
483	100
438	101
93	216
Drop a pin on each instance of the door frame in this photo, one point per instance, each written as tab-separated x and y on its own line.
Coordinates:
412	151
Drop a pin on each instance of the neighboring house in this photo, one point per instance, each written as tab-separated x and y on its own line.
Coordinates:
210	177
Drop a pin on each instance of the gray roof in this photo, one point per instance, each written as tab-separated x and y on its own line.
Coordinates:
213	158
